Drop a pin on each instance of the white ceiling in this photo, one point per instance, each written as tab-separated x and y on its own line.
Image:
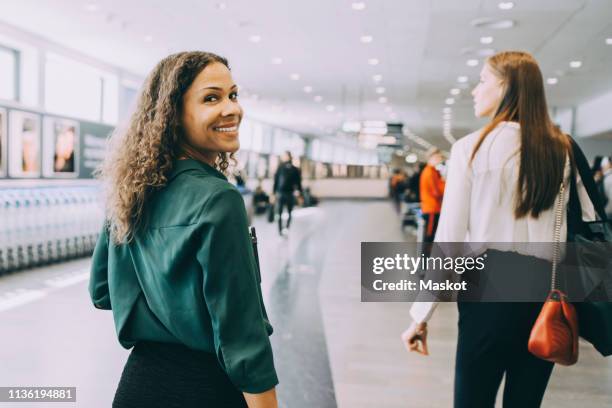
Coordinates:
422	47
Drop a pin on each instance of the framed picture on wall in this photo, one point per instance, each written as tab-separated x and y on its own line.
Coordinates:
3	143
24	144
60	148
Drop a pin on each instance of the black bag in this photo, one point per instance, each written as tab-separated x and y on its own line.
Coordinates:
271	211
594	317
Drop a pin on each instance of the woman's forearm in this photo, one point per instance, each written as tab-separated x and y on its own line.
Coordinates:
266	399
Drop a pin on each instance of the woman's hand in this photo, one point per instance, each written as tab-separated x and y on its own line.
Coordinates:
415	338
265	399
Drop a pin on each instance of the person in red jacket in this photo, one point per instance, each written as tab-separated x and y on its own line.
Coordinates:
431	188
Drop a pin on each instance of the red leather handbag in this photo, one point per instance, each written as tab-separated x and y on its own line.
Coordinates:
554	336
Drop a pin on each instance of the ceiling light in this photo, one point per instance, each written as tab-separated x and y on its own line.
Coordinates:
447	110
449	101
330	108
377	78
380	90
318	98
221	6
492	23
472	62
609	41
462	79
148	38
575	64
308	89
485	52
505	5
552	81
383	99
294	77
455	91
255	38
358	5
92	7
486	40
373	61
366	39
277	60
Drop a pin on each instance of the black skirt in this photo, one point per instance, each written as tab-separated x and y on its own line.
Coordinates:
171	375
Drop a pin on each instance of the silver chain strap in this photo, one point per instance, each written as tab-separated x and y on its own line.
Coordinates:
557	236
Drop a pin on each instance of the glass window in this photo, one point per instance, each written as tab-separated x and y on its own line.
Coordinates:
76	89
8	73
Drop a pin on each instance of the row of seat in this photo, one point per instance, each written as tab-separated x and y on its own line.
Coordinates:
47	224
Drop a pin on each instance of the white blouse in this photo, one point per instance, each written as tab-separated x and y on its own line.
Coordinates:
479	199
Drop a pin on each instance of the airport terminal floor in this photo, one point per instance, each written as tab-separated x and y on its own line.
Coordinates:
330	349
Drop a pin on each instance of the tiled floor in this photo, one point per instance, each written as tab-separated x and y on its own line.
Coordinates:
311	282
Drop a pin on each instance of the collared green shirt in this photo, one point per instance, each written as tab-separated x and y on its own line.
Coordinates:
189	276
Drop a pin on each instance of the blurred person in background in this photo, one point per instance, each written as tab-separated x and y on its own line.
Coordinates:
174	261
261	200
287	181
503	183
606	167
431	187
397	186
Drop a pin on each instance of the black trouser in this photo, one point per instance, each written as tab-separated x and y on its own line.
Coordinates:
492	342
163	375
285	199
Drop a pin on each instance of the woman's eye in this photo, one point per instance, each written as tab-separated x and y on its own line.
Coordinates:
234	96
211	98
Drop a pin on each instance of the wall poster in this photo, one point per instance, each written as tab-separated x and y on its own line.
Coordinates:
24	144
3	143
60	147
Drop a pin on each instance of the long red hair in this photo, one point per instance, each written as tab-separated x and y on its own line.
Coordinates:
543	146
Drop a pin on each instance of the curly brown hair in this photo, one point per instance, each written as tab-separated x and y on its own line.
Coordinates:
142	154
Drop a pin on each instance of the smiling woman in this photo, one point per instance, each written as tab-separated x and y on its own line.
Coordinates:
174	260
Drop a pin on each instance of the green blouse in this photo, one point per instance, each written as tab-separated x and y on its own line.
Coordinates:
189	276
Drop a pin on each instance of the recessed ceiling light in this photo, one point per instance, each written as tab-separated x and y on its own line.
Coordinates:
92	7
366	39
472	62
449	101
383	99
462	79
221	6
373	61
447	110
308	89
609	41
318	98
294	77
277	60
485	52
455	91
380	90
377	78
358	5
148	38
492	23
255	38
575	64
552	81
505	5
330	108
486	40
